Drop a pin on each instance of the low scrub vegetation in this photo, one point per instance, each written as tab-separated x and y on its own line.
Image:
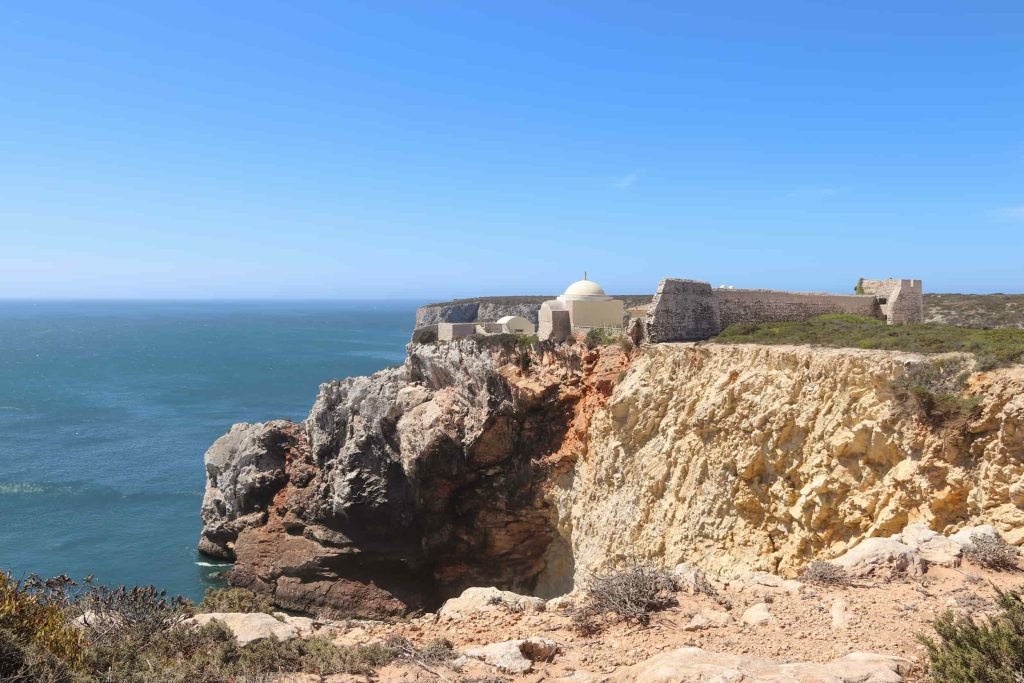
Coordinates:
599	336
991	347
991	650
631	594
825	573
992	552
506	342
234	600
937	389
975	310
54	631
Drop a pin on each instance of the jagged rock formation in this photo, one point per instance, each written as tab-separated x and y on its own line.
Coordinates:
401	488
461	468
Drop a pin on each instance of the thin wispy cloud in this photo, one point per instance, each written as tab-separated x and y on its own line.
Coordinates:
1014	213
627	181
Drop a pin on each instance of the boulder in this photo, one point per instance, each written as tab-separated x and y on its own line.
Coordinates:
964	536
248	627
707	618
933	546
694	665
474	600
304	626
880	556
515	656
689	578
562	602
757	615
764	583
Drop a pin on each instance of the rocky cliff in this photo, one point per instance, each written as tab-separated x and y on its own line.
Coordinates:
526	469
492	308
403	487
485	309
766	457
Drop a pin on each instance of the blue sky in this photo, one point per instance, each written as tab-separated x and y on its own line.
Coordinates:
427	150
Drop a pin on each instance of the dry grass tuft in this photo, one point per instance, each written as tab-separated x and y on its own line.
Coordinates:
825	573
992	552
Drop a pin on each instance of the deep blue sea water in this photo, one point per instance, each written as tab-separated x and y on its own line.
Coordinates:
107	408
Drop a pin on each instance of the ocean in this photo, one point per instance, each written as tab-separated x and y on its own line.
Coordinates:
106	409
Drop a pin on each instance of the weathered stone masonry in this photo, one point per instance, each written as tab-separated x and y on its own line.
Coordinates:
689	310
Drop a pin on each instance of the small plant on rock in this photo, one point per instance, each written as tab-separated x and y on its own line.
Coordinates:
992	552
825	573
599	336
631	594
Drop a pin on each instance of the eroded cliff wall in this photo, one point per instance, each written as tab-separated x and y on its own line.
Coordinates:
764	457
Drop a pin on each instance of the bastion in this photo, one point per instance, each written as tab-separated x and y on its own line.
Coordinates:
690	310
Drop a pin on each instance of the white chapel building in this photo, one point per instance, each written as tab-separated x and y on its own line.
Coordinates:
583	307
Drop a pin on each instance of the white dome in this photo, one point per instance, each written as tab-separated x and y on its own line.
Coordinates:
584	289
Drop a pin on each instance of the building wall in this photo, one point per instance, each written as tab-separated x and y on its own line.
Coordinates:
587	315
903	299
553	322
518	325
450	331
765	305
682	310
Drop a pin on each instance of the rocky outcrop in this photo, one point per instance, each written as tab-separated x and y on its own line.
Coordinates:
766	457
515	656
248	627
468	311
524	470
492	308
403	488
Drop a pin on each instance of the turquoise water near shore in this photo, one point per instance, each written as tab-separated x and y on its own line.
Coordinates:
106	409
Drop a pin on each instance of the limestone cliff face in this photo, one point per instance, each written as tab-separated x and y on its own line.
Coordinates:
473	465
492	308
484	310
765	457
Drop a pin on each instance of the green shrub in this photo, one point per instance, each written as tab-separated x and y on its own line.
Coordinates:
937	387
600	336
34	618
506	342
984	651
234	600
138	635
991	347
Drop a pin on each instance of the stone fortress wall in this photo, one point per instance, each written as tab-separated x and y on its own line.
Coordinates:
690	310
767	306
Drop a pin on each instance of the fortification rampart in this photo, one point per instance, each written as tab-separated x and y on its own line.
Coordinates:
682	310
689	310
766	305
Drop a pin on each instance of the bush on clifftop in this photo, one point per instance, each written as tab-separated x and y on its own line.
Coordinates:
992	347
